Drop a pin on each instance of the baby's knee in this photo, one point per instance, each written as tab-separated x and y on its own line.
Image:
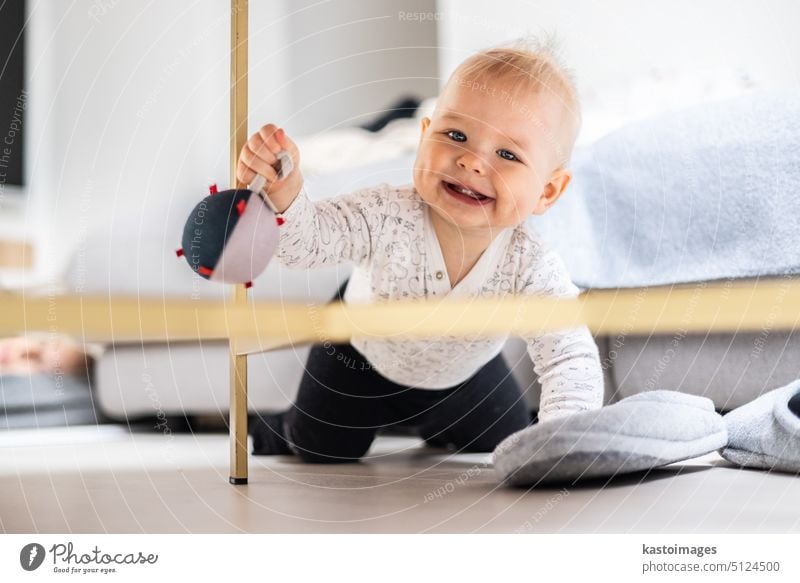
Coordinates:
313	449
329	456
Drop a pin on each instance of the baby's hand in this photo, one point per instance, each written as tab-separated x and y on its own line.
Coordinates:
259	156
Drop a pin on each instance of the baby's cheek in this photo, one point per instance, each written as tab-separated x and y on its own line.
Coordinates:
423	174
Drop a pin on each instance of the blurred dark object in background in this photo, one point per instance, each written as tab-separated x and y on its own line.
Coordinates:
405	107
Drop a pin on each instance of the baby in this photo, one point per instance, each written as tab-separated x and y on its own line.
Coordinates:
494	152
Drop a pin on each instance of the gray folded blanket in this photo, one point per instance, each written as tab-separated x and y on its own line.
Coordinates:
44	400
640	432
765	433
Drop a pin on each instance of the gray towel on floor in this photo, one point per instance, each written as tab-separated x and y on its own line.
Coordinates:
640	432
765	433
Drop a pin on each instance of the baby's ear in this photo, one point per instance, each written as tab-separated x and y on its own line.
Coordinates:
553	190
425	124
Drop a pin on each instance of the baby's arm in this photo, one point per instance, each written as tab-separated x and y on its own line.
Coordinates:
566	361
331	231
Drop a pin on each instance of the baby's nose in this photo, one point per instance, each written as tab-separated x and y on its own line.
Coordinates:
471	163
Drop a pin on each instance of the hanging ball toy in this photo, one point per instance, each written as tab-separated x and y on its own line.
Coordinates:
230	236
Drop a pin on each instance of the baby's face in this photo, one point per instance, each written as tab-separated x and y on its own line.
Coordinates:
480	142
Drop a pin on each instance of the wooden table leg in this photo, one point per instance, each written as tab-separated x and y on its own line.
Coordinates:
238	137
238	418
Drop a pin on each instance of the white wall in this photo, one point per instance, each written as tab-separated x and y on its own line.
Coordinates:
129	99
633	58
348	56
131	102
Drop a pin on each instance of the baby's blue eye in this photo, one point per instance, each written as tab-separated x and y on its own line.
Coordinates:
456	136
506	155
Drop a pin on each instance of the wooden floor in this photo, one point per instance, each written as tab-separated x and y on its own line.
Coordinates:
107	479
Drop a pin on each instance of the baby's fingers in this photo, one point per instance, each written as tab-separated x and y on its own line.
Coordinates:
258	146
243	173
284	143
259	163
288	145
246	174
267	135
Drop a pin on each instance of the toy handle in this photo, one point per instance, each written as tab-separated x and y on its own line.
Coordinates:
285	167
258	183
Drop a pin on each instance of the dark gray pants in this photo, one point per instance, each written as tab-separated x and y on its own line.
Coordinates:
343	402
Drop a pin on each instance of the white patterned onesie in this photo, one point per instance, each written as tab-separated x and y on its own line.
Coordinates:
386	232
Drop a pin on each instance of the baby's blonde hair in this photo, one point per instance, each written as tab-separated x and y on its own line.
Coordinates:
532	66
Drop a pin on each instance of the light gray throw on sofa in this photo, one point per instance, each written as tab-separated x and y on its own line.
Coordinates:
707	193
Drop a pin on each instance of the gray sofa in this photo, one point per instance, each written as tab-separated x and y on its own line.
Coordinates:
187	378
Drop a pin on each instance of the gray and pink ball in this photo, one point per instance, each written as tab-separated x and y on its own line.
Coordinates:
230	236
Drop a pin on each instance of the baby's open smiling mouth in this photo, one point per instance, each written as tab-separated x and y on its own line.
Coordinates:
465	194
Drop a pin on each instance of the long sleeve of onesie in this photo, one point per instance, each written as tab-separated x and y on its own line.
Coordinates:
566	361
330	231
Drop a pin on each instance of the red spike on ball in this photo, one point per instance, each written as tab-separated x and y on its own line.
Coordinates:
280	220
179	252
248	284
212	189
240	206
